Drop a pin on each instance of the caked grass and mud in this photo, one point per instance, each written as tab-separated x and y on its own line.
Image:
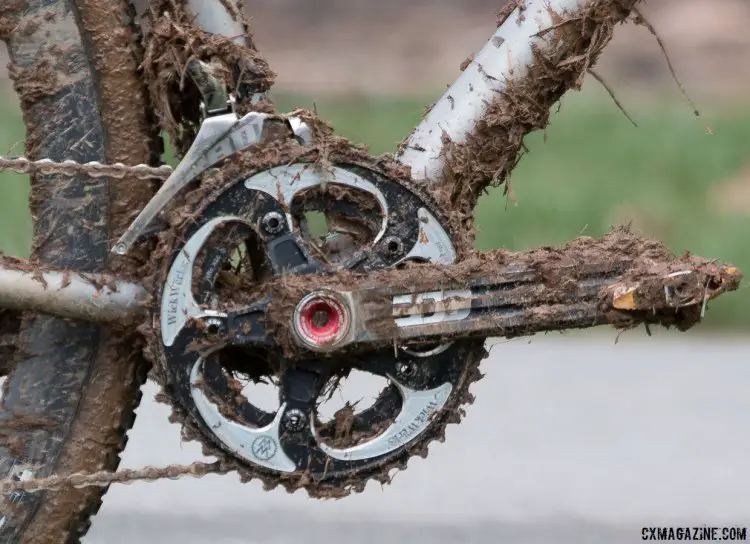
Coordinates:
592	170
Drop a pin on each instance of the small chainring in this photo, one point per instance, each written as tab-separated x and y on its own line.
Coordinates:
258	227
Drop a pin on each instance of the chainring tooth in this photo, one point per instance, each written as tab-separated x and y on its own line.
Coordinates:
464	357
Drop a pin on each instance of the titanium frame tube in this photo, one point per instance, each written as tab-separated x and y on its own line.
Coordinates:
90	297
214	17
506	56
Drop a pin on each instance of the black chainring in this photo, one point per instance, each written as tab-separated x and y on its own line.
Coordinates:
302	382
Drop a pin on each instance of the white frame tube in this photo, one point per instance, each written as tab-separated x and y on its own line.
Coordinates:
505	57
90	297
214	17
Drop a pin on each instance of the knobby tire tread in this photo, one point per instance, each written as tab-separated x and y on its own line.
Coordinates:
70	397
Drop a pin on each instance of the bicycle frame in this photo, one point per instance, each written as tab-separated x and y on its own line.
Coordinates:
507	57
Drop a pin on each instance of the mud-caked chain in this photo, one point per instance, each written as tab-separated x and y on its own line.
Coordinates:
23	165
104	478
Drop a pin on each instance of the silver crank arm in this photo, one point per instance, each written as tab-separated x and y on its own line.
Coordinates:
514	300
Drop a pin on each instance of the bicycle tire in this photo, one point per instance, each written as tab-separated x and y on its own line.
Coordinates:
70	396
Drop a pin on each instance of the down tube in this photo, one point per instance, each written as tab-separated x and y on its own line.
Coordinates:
506	57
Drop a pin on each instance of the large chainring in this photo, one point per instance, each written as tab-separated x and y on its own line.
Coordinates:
257	227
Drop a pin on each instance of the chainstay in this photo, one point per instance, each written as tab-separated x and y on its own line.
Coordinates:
104	478
23	165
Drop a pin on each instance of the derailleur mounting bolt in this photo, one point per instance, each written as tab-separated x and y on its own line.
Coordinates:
273	222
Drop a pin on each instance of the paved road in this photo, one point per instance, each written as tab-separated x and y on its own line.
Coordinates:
571	439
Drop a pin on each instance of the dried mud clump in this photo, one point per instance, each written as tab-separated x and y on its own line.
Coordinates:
175	39
667	290
491	152
35	82
9	17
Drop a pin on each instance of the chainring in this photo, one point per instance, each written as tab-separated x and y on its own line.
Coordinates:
427	385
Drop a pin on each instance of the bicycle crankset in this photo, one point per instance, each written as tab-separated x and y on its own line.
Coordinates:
249	294
256	230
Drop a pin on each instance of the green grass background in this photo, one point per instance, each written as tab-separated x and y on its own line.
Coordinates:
594	170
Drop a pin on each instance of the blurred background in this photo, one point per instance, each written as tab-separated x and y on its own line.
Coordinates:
372	67
568	441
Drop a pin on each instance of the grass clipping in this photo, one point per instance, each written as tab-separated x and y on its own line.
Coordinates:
572	45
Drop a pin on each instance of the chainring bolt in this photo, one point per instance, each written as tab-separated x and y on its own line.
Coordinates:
406	370
213	326
273	222
394	246
294	420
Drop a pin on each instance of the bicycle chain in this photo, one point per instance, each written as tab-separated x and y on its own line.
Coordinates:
94	169
197	469
103	478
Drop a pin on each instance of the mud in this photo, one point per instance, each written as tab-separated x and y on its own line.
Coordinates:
555	276
9	16
36	82
109	394
492	151
174	40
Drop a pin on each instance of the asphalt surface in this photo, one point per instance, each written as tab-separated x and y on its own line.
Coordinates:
571	440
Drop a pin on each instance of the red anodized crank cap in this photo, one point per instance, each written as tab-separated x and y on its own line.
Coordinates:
321	320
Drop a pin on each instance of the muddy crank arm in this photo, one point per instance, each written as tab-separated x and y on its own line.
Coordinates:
491	294
514	300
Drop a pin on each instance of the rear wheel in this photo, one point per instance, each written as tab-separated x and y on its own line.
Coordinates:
71	390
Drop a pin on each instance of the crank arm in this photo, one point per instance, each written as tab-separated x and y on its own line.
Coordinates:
517	305
490	294
498	296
